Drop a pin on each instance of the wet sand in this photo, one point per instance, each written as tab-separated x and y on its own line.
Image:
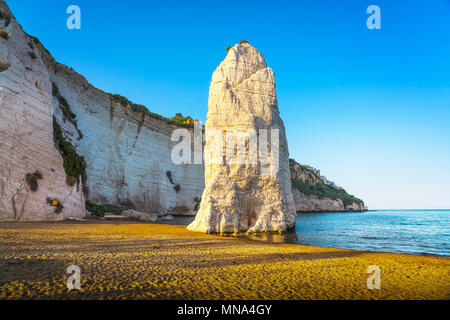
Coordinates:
123	260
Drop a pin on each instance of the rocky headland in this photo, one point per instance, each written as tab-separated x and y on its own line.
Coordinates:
315	193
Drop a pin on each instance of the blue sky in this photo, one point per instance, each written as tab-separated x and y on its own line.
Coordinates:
369	108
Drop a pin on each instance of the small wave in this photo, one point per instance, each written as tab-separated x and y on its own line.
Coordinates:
374	238
412	224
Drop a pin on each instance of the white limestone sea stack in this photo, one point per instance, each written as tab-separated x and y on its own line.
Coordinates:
244	196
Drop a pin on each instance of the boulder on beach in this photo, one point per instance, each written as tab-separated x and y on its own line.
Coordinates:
166	218
141	216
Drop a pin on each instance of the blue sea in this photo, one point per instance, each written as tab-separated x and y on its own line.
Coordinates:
422	232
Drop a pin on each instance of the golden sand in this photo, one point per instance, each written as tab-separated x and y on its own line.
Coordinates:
148	261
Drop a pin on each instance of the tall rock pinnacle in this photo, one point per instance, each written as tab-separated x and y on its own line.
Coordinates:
247	177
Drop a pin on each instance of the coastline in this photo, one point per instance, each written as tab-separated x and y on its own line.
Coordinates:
332	211
130	260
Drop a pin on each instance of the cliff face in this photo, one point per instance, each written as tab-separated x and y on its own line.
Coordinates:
126	152
26	135
246	195
314	193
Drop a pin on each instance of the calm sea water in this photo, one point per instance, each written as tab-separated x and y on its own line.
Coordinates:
424	232
406	231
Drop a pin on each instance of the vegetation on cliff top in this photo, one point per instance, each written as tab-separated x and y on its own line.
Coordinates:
178	120
322	190
325	191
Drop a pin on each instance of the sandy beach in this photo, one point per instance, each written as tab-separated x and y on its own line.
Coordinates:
124	260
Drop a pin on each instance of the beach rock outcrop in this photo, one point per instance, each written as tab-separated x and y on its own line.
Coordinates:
141	216
167	218
248	187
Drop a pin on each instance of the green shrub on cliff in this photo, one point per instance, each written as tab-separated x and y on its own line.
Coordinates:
74	164
64	106
32	180
95	209
100	210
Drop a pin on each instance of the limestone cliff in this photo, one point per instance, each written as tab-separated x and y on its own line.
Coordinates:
314	193
108	149
250	195
127	150
32	178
